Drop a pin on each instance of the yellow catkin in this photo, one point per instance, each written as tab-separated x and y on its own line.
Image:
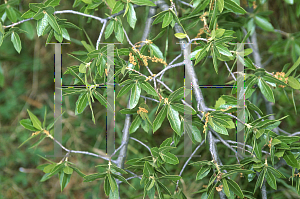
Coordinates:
280	76
206	122
219	188
142	110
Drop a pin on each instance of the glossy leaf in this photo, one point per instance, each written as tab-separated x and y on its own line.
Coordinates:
26	123
135	95
143	2
15	39
263	23
173	117
235	188
169	158
148	88
131	17
266	90
168	17
135	124
160	118
232	5
53	23
35	121
81	103
203	172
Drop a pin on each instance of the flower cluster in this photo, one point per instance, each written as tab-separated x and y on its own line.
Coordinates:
280	76
206	121
142	110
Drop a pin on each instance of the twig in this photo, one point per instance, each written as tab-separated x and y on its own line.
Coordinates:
185	3
142	144
230	71
100	35
186	163
81	152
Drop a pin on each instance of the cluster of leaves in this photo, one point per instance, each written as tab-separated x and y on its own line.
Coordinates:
93	72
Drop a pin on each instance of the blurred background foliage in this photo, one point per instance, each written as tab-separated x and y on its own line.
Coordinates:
26	82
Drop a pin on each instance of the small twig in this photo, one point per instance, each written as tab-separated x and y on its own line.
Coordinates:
185	3
100	35
230	71
186	163
142	144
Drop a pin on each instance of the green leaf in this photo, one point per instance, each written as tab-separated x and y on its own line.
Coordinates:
259	180
35	121
289	1
173	117
220	5
64	179
226	187
171	177
203	172
11	14
100	98
143	2
271	179
161	185
183	108
92	177
232	5
177	94
135	124
200	55
49	168
156	51
117	7
58	37
26	123
295	65
109	29
266	90
119	33
294	83
41	25
52	3
68	170
15	39
148	169
219	128
263	23
214	56
125	89
180	35
146	86
160	118
81	103
53	23
131	17
169	158
234	187
135	95
223	50
290	159
65	34
28	14
106	186
112	182
272	79
168	17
